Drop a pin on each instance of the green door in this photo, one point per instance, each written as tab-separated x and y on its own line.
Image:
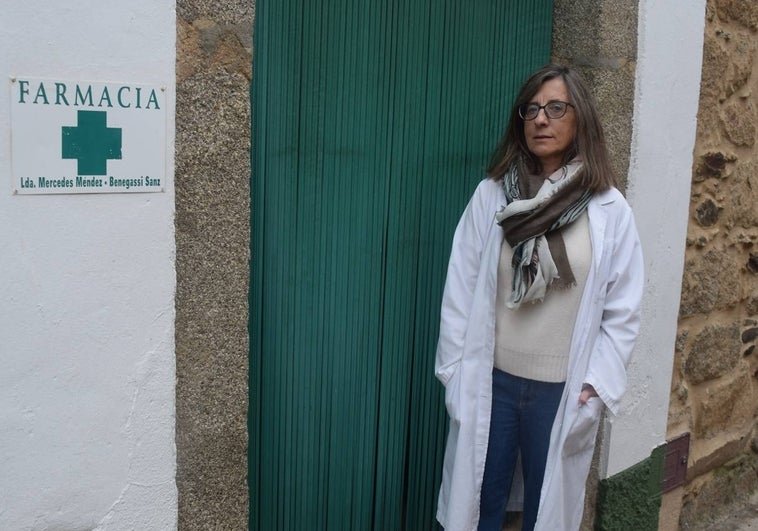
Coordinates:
372	122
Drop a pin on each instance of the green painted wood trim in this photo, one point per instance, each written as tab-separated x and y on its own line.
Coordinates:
631	499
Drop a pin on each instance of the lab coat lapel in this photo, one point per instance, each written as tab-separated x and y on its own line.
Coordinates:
599	216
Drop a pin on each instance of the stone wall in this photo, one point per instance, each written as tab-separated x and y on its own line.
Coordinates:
214	61
714	393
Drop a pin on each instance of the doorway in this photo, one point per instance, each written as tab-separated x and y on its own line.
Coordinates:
372	123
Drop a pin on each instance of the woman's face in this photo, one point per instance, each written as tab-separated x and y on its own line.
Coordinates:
549	139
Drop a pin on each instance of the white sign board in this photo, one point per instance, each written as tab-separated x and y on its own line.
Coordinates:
71	137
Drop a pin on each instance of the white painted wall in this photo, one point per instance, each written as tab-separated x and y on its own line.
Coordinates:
669	59
87	296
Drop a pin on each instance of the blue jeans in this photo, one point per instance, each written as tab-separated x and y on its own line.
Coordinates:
522	417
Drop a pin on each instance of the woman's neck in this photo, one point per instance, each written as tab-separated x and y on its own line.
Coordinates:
549	168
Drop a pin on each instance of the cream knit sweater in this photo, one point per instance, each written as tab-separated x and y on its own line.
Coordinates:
533	340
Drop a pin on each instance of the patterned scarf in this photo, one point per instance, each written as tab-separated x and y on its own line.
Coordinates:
531	226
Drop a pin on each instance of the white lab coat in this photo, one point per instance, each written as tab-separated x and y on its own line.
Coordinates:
604	335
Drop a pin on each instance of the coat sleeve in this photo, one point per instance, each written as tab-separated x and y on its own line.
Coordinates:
462	273
620	319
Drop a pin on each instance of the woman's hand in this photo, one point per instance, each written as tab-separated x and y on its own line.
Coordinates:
587	392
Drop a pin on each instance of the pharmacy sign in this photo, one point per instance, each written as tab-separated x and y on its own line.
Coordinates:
87	137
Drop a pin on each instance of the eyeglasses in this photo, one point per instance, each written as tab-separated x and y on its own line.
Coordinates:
553	110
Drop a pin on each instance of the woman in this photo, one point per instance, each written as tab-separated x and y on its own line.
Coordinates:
539	315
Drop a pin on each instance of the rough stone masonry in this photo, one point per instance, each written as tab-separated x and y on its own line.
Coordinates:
714	392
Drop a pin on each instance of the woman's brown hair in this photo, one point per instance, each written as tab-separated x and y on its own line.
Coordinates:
589	141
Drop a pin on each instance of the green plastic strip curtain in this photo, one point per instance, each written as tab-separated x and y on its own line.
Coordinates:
372	123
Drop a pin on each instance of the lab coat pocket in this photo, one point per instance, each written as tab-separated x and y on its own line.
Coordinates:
581	435
453	394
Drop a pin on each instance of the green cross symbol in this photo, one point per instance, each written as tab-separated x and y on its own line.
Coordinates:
91	143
